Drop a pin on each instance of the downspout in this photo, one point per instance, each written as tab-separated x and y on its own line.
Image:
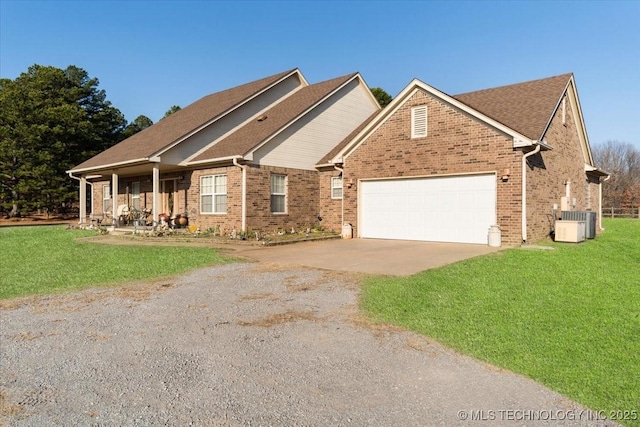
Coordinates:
244	193
341	170
600	201
82	216
524	191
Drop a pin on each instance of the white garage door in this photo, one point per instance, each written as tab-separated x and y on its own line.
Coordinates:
445	209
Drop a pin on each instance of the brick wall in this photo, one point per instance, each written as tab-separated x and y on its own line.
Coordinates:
303	205
548	173
228	221
98	205
330	209
455	143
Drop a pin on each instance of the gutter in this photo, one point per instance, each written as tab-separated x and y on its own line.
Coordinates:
210	161
524	189
244	193
70	173
109	166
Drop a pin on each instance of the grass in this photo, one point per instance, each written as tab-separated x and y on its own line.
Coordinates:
568	318
47	259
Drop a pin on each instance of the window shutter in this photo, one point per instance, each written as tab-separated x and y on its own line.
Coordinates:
419	122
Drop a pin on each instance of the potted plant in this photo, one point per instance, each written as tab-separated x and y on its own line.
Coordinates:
182	220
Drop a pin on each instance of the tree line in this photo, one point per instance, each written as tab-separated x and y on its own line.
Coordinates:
52	119
622	161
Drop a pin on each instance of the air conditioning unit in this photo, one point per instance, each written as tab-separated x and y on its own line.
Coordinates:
589	217
570	231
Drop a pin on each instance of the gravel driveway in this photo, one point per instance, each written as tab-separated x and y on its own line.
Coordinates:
244	344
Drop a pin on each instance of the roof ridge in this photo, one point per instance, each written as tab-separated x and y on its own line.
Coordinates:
346	77
273	76
567	75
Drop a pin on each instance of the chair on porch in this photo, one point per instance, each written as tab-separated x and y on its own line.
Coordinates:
122	214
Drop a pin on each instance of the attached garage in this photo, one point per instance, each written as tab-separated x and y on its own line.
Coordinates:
456	209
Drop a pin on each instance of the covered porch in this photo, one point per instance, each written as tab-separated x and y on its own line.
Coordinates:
140	195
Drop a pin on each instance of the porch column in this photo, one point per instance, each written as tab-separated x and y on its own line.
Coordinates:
156	192
83	200
114	197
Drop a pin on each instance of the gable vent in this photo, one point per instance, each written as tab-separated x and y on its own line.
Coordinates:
419	122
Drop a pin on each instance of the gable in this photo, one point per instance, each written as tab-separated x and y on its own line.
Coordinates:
307	140
574	104
275	120
567	127
522	111
416	86
445	136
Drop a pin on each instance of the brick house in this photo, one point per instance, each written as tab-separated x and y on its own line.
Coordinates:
278	153
445	168
243	158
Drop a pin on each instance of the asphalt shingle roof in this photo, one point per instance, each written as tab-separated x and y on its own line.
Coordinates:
253	133
168	130
524	107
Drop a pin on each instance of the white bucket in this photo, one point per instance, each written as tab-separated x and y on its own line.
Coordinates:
347	231
495	236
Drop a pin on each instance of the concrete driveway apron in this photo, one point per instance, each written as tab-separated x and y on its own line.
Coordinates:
372	256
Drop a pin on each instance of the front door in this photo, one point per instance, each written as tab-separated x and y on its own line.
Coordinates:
168	191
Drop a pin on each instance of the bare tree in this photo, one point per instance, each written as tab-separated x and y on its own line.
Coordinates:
622	161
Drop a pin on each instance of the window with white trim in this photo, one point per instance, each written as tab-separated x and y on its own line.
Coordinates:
278	194
419	121
213	194
106	198
135	195
336	187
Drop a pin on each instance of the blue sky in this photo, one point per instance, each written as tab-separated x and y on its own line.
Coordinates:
150	55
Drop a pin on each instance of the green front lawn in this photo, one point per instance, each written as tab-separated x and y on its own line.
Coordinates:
46	259
568	318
